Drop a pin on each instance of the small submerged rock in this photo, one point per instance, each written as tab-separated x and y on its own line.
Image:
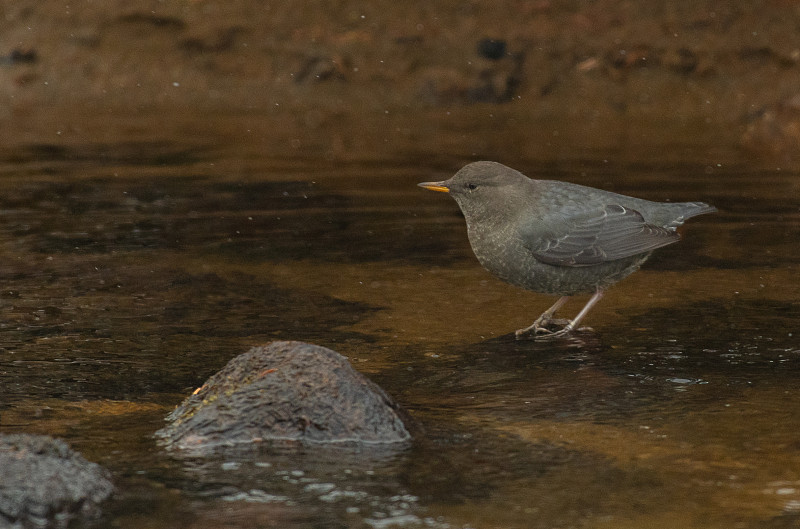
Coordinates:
43	483
285	391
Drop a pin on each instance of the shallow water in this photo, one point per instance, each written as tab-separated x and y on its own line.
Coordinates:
133	272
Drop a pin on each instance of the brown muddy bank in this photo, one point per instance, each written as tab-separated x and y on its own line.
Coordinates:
705	82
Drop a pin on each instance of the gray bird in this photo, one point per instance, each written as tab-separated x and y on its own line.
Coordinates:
556	237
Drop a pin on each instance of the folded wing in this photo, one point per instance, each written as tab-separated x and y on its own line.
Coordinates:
611	233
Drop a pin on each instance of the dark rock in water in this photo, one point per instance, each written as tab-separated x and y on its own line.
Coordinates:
43	483
492	49
318	69
285	391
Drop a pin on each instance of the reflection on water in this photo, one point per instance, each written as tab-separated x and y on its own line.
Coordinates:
128	279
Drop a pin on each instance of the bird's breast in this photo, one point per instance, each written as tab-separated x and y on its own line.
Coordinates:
503	253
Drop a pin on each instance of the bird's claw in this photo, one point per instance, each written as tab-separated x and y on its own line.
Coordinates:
541	331
540	326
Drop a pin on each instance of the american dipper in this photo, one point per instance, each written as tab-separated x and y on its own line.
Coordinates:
556	237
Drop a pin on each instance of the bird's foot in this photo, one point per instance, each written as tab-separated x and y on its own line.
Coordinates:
551	329
542	326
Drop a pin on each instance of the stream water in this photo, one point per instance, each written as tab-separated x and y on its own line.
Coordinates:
131	273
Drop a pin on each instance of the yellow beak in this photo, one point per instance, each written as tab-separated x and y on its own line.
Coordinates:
435	186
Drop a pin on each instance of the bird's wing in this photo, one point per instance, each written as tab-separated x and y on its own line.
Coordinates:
607	234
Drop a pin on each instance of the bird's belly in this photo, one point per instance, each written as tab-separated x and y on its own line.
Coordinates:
515	264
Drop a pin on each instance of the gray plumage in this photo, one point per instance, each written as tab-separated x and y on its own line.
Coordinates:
556	237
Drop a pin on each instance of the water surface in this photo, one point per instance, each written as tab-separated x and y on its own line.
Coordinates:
131	273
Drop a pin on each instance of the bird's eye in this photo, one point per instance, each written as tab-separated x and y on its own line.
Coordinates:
471	186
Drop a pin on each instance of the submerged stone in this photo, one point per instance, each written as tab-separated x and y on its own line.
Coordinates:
43	483
285	391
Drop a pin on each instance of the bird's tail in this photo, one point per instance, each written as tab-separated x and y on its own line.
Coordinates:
687	210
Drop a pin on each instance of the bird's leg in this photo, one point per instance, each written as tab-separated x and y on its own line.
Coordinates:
538	326
547	316
584	311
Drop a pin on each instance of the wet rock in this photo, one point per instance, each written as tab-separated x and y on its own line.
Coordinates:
285	391
492	49
45	484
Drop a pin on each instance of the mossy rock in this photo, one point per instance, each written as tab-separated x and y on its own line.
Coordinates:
285	391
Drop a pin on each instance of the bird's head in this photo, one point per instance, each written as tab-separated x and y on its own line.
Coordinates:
484	189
